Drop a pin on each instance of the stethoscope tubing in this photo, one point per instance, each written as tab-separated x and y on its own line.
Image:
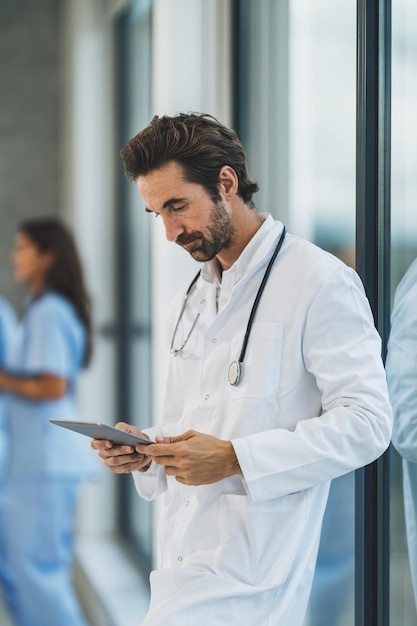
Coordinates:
175	351
235	368
259	295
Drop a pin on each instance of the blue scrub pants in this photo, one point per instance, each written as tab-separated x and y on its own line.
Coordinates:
38	525
6	578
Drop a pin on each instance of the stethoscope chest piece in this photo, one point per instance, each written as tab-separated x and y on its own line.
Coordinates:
234	373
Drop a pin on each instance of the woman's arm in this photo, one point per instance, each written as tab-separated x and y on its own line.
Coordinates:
41	387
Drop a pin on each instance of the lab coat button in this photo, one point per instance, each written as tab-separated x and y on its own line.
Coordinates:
207	396
202	301
214	340
179	558
187	503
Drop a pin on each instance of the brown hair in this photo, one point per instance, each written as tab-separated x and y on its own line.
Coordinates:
198	142
65	275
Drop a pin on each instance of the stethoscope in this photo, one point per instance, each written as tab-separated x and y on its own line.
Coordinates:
236	367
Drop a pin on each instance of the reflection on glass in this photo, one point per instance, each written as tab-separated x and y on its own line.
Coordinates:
402	346
402	380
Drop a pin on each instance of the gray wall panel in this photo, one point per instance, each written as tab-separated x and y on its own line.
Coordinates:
29	120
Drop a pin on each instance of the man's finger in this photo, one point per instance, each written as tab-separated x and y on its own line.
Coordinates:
154	450
183	437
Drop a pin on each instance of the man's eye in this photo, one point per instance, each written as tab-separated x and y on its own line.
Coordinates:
178	208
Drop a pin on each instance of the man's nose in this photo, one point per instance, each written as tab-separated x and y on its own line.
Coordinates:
173	228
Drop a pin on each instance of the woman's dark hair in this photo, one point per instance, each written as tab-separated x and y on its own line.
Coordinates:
65	275
198	142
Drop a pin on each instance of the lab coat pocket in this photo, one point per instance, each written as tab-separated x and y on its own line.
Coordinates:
261	368
257	538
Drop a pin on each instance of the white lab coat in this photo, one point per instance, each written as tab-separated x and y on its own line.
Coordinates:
402	382
312	405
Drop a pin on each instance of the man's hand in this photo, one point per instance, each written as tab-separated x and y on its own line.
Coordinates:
122	459
194	458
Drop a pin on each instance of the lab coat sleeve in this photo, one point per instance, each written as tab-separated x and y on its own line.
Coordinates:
153	482
402	374
341	349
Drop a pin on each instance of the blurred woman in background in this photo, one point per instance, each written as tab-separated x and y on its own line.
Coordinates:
8	326
47	463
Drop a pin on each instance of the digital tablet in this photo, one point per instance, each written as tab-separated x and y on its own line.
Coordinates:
96	430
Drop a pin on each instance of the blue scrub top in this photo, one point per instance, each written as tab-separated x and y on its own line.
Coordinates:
50	340
8	326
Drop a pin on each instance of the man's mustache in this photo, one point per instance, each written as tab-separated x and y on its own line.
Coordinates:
185	238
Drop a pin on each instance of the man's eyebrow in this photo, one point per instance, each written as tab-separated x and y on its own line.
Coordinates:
168	203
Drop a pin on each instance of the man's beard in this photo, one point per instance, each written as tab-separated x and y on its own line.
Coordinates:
220	235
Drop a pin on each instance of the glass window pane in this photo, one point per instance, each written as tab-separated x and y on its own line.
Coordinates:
402	346
135	252
322	209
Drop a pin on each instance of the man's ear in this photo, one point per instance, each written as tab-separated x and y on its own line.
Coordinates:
229	181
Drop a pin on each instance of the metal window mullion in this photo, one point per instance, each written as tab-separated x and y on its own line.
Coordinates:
373	247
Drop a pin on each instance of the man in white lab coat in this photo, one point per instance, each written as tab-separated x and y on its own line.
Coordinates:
253	428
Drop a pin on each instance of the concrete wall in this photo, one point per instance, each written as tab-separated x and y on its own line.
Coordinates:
29	120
